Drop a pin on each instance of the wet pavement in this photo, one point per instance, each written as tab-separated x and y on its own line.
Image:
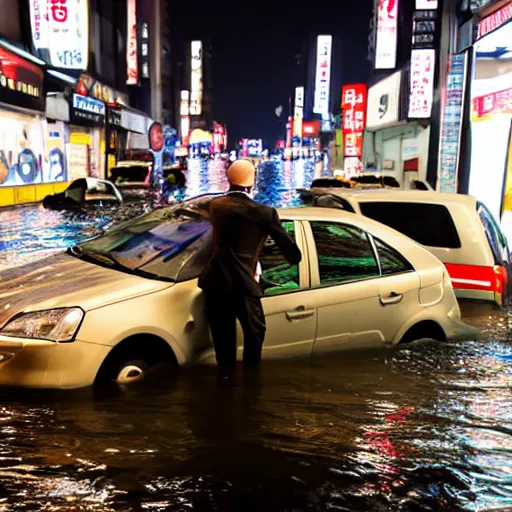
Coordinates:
421	427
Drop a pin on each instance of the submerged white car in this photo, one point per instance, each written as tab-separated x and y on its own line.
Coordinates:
115	306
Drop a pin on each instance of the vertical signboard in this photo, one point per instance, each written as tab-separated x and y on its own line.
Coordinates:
144	50
184	117
298	112
196	78
421	92
132	66
39	23
323	75
68	33
385	52
353	104
451	123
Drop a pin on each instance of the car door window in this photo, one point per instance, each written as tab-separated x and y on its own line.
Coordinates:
391	261
344	253
278	276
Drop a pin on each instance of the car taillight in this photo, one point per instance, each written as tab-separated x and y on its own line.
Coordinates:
500	278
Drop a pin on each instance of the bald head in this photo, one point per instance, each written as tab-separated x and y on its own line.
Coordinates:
241	173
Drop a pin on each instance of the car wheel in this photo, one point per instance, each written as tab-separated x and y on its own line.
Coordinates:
130	371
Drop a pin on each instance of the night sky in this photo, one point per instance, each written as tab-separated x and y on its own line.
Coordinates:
255	48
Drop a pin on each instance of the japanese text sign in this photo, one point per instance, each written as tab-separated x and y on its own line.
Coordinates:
421	92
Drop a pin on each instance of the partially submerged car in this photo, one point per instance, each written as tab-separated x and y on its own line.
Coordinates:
131	174
456	228
83	193
115	306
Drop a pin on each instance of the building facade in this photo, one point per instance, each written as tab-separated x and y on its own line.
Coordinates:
78	86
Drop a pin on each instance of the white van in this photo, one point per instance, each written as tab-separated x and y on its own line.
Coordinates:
456	228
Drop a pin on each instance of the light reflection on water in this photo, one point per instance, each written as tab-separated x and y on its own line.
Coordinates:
30	232
423	427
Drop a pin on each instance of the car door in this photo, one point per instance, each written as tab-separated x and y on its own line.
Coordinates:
291	321
357	306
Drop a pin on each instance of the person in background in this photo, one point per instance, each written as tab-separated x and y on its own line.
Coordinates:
230	280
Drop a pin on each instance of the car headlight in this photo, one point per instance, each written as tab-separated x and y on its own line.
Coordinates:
59	325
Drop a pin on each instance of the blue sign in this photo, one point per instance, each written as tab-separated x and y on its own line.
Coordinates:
451	125
89	105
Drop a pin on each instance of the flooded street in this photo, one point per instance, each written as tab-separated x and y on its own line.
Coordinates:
419	427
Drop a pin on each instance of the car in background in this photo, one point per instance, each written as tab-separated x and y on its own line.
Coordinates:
370	181
456	228
115	306
132	177
84	193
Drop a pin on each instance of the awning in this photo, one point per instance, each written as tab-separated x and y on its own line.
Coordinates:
57	107
135	121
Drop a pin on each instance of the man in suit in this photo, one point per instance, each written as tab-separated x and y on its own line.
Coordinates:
230	282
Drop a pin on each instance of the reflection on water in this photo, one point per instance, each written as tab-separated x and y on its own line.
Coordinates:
423	427
30	232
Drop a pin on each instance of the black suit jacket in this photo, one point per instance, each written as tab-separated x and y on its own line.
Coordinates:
240	228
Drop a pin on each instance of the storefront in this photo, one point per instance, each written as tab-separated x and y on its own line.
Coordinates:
392	144
32	162
490	94
85	151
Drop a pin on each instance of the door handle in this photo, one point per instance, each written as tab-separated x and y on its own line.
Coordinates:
300	313
392	298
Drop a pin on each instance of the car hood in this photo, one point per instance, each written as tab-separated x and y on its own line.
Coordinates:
65	281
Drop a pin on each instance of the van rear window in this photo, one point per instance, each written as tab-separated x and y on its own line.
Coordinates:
426	223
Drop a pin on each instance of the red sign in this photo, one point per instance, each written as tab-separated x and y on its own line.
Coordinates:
156	137
59	10
353	103
494	21
21	82
311	129
492	104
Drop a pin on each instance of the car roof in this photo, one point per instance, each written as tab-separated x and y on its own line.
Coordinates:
400	195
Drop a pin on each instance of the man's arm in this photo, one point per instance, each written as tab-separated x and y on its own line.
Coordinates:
288	247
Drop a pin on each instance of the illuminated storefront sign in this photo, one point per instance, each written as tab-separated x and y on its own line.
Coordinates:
68	33
323	75
87	109
494	21
21	82
196	78
384	102
492	104
421	83
298	112
387	15
132	66
353	104
311	129
185	97
422	5
144	50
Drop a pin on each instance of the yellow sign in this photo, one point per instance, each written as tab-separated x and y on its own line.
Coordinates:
80	138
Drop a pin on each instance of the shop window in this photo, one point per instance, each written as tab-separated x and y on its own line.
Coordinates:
427	223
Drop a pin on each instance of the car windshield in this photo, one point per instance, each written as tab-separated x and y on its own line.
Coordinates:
169	244
135	173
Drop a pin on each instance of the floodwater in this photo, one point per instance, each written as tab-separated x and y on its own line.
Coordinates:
421	427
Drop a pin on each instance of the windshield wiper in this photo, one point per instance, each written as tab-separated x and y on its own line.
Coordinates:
113	263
